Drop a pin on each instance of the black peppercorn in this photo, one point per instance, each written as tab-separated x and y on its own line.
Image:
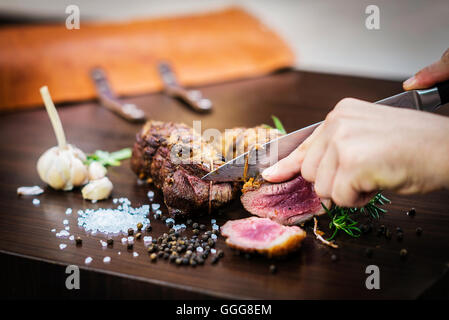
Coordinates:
334	257
419	231
195	225
149	228
400	236
138	235
403	253
411	212
139	226
388	234
202	227
78	241
130	246
215	260
110	242
153	257
273	268
130	232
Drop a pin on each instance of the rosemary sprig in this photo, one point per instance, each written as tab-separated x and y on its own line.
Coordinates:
109	158
342	218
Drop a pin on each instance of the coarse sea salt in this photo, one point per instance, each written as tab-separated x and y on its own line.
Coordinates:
65	222
103	243
53	230
62	246
68	211
107	259
88	260
72	237
147	239
114	220
62	234
29	191
135	254
36	202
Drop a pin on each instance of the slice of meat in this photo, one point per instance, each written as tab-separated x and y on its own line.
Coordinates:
288	203
262	235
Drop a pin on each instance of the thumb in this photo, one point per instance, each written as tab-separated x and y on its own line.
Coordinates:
425	78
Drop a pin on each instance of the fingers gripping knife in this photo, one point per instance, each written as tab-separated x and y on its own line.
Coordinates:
256	160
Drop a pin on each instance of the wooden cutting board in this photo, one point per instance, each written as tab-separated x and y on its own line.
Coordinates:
29	248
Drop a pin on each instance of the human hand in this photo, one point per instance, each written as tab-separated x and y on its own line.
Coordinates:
361	148
430	75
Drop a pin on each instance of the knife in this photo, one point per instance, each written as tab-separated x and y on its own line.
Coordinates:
256	160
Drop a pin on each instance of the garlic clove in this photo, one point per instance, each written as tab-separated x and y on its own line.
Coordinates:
96	170
44	163
78	173
58	175
97	189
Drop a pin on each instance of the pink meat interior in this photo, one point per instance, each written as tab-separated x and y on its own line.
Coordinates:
284	200
260	231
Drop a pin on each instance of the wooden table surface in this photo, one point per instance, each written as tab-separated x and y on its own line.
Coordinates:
34	265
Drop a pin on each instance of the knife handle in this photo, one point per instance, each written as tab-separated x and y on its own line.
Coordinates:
109	100
443	90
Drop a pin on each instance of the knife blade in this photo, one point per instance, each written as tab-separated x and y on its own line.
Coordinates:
256	160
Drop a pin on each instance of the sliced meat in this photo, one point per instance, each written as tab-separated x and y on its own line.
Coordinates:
262	235
288	203
174	158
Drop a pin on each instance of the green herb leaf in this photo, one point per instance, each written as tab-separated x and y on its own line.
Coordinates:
278	124
109	158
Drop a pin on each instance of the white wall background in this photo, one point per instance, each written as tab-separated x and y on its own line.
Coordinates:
326	35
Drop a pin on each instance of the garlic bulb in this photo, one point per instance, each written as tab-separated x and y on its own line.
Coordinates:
96	170
97	189
63	169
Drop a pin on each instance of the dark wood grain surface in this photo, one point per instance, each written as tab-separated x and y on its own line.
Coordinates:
33	265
